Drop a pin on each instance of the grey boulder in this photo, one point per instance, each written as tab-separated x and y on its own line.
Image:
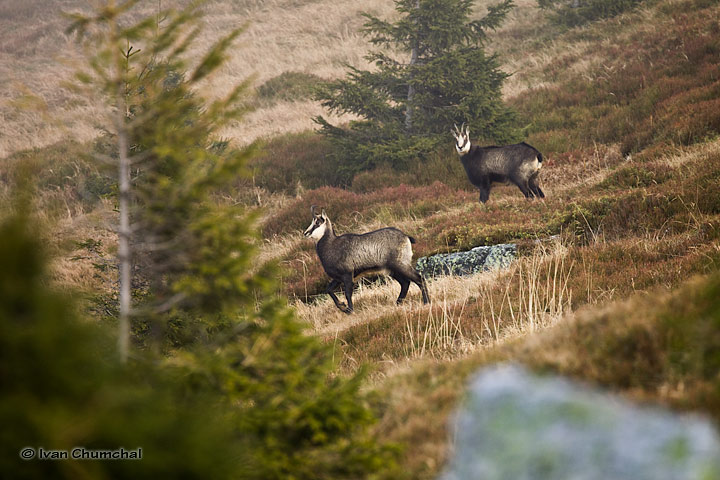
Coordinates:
479	259
519	426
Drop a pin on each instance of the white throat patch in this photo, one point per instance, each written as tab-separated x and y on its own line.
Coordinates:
465	148
318	233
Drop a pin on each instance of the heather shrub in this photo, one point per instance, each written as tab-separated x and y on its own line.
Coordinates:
349	209
476	225
445	166
635	176
640	211
582	220
295	161
655	87
379	178
707	187
441	165
572	13
465	237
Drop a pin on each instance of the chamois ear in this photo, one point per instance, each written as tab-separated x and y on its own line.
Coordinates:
312	210
467	131
323	214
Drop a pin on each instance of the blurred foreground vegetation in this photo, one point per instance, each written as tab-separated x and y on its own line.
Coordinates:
222	381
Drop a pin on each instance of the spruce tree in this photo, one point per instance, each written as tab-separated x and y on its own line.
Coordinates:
189	252
431	71
210	333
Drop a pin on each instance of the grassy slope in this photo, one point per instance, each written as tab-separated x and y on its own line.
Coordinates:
36	58
625	112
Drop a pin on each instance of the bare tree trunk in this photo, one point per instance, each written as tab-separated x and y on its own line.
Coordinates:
411	88
411	94
124	252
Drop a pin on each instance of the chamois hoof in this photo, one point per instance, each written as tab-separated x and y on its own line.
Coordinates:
347	310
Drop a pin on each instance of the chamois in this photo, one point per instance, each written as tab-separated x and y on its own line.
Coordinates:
348	256
519	164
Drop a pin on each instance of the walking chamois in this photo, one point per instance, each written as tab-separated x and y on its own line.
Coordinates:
346	257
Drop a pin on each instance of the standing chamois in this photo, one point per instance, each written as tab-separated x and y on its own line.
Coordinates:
349	256
519	164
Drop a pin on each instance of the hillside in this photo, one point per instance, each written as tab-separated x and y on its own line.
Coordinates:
37	58
617	280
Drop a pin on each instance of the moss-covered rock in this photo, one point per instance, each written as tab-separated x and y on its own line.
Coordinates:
477	260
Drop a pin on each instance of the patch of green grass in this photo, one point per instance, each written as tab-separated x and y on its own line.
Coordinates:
290	86
293	162
636	176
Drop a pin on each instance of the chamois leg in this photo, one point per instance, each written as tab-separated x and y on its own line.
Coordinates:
535	186
484	195
330	291
423	288
413	275
523	186
484	188
347	281
404	286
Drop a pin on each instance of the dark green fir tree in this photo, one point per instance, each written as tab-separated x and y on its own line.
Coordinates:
431	71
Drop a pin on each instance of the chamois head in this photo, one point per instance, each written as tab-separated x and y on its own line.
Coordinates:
462	139
319	224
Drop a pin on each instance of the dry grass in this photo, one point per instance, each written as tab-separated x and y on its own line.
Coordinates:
318	37
375	301
659	347
629	224
466	313
88	261
37	57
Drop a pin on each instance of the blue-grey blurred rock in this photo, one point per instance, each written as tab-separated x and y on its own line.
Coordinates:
518	426
477	260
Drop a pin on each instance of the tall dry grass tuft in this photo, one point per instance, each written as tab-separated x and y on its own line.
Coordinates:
533	294
466	314
544	293
439	334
